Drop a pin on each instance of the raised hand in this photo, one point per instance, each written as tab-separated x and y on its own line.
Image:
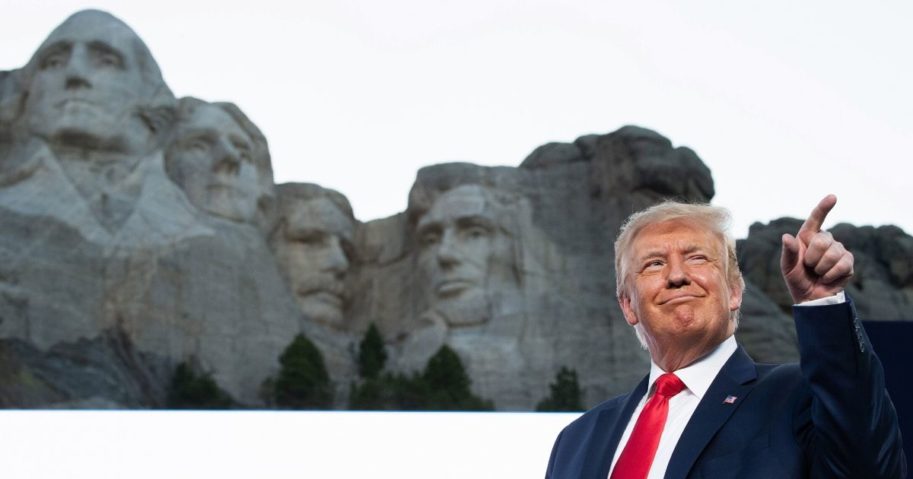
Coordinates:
814	265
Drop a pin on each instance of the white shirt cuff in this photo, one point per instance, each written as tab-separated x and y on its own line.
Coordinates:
838	298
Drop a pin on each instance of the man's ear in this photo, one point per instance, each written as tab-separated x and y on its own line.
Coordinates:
624	301
735	297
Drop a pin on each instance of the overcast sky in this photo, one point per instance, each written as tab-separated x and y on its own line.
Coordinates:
785	101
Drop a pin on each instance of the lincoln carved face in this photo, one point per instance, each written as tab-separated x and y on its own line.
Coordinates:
314	249
466	255
212	159
87	84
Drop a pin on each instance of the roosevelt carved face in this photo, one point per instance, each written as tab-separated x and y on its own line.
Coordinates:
212	160
87	86
314	251
465	255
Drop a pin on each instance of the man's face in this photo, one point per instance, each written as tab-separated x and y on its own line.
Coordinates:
87	86
211	159
315	254
676	289
464	253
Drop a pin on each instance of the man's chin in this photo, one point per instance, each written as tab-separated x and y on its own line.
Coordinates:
323	308
470	307
225	203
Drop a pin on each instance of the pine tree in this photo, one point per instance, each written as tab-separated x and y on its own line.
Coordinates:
190	390
374	391
447	386
303	382
565	393
442	386
371	354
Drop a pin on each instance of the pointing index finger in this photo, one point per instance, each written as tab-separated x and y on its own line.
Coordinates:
814	221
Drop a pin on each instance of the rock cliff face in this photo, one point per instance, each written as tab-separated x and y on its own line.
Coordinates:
138	231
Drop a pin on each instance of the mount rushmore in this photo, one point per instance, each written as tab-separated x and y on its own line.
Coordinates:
139	231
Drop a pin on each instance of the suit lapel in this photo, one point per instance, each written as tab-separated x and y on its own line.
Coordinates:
735	379
610	425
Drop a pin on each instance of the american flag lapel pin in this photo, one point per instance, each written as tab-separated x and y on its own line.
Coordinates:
729	400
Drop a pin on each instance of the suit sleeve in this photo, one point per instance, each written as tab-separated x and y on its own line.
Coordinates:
853	430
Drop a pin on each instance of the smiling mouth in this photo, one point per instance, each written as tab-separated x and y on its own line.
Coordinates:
680	299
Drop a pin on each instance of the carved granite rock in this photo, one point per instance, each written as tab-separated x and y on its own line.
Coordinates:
98	236
312	240
221	161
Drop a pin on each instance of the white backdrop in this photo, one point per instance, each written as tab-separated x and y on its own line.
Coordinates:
275	445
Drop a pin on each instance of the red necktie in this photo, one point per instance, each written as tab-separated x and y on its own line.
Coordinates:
637	456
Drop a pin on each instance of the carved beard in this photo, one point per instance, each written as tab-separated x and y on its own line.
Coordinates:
467	310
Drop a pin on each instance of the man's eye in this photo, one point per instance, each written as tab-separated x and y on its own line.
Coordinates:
429	238
54	60
476	232
653	264
698	259
198	145
244	152
108	60
105	57
311	240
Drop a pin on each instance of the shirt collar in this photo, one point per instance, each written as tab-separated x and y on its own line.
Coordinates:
698	375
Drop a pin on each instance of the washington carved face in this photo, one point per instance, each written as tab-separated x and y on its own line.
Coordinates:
211	159
465	254
87	84
315	252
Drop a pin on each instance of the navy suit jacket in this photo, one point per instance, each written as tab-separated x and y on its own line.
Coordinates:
827	417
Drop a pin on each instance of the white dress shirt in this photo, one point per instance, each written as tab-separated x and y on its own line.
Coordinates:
697	378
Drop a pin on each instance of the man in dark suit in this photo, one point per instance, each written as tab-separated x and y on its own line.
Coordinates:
706	410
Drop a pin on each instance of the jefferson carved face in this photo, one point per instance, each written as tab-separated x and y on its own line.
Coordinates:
211	159
87	85
314	251
465	256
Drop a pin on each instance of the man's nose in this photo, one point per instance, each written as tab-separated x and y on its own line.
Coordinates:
75	82
677	274
447	252
228	158
336	260
77	70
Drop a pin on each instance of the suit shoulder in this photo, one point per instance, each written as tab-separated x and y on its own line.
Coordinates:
780	379
588	419
777	370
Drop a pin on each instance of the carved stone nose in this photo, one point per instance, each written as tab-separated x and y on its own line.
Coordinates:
75	82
